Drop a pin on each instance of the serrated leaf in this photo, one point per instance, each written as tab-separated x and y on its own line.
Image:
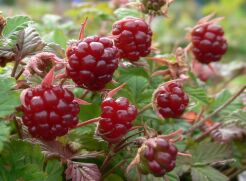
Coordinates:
56	149
198	94
54	170
4	134
207	174
8	99
21	161
236	117
14	25
60	38
136	87
88	141
129	72
124	12
55	48
82	171
29	42
173	176
113	177
208	152
221	98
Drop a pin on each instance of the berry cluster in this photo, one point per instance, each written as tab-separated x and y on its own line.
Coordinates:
92	62
153	7
208	43
49	111
133	38
157	156
116	118
170	100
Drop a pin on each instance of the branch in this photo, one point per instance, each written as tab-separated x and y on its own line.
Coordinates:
90	121
145	108
229	101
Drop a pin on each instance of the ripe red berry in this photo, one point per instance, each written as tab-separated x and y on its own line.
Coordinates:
92	62
133	38
116	118
170	100
208	43
157	156
49	112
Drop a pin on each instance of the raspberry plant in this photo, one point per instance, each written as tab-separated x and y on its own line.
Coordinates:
120	102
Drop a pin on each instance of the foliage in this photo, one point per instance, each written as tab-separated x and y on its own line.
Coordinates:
80	154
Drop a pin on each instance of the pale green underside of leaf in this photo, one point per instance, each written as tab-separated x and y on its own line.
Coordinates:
8	99
207	174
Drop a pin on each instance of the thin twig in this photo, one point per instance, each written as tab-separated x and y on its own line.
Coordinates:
200	123
19	74
17	62
107	159
90	121
84	94
237	173
145	108
205	134
122	141
122	162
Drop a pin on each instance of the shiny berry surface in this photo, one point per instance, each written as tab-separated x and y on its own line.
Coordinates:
133	38
171	100
116	118
157	156
209	44
92	62
49	112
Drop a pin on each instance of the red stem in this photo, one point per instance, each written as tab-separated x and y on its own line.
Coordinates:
90	121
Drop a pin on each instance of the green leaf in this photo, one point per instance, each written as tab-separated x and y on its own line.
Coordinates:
221	98
198	94
29	42
208	152
173	176
124	12
136	87
60	38
21	161
207	174
54	169
4	134
237	117
55	48
129	72
113	177
14	25
8	99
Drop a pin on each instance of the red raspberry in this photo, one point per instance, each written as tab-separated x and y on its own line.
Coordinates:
133	38
170	100
208	43
92	62
49	112
157	156
117	116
